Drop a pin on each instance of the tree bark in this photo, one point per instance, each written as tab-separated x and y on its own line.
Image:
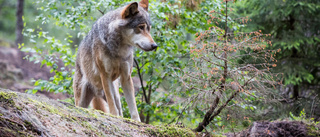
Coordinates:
19	25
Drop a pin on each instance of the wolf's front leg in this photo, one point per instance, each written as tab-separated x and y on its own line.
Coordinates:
109	92
127	85
108	87
117	97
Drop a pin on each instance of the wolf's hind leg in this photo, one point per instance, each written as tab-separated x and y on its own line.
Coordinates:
87	94
100	104
77	94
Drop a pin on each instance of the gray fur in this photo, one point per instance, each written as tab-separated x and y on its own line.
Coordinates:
106	54
113	40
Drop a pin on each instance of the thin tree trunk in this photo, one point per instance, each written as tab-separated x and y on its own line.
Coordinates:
149	102
19	25
207	116
210	115
295	92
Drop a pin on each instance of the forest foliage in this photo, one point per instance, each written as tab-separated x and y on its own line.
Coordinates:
219	62
295	30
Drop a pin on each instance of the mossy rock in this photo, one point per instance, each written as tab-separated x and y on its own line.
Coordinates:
170	131
7	97
313	130
24	114
280	129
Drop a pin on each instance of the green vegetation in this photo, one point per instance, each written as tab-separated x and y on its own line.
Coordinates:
294	28
293	25
220	63
313	128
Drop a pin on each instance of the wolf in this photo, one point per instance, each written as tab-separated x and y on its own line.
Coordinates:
105	57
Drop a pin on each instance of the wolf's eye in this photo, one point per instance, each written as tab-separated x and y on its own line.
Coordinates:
141	27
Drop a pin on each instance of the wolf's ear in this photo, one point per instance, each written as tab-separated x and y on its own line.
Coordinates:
144	4
130	10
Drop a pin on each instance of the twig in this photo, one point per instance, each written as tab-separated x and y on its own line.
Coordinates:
102	12
185	107
211	62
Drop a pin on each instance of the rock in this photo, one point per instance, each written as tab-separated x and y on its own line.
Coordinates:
24	114
279	129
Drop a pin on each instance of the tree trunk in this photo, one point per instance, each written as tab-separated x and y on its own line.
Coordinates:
295	91
19	25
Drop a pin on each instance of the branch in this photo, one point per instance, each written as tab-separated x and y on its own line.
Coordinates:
211	62
224	105
149	93
102	12
248	40
206	120
214	54
183	110
209	116
141	81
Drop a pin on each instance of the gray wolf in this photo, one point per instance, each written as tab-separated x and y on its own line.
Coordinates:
105	57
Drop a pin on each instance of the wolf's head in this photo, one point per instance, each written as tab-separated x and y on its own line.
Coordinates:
138	25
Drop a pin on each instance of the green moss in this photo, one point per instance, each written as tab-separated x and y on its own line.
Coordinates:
13	129
90	130
27	123
7	97
313	129
219	136
81	110
131	121
87	125
19	108
170	131
47	107
91	112
8	132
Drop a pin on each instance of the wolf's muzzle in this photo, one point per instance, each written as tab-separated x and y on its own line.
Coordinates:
154	46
